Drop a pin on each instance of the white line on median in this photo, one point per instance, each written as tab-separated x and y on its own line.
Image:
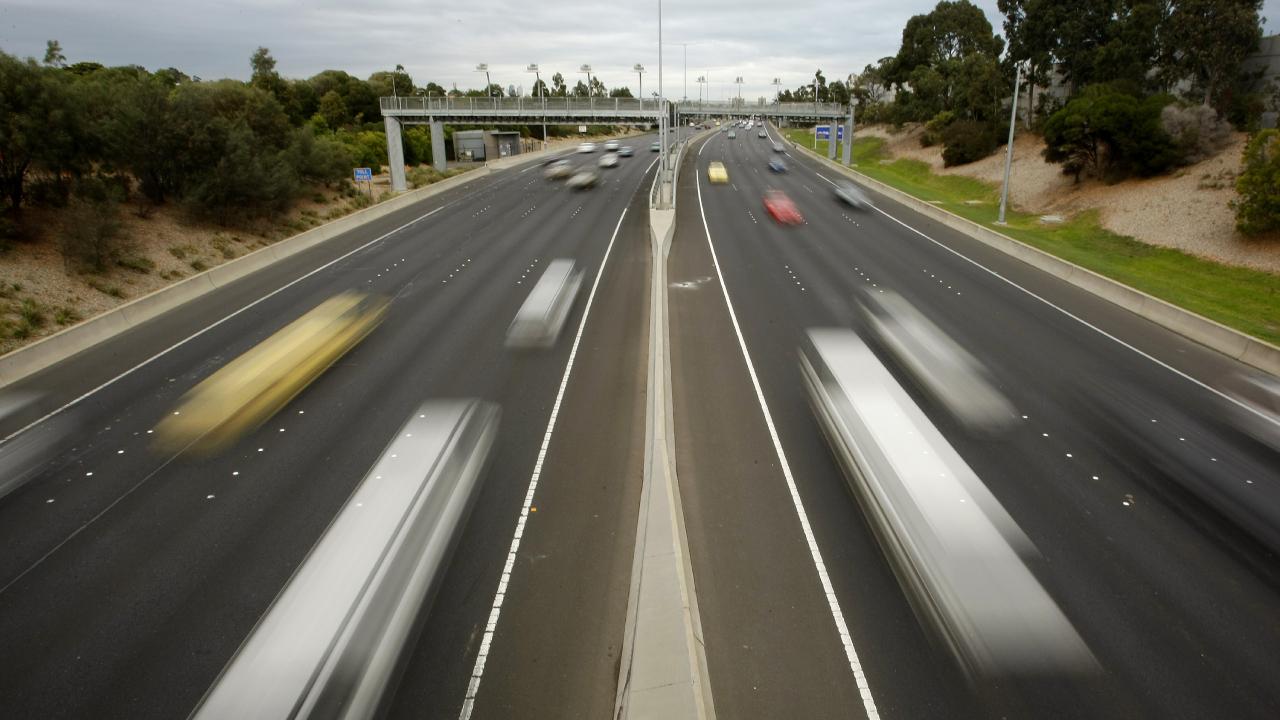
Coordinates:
864	688
486	642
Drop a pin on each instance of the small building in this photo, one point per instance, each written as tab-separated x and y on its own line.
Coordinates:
481	145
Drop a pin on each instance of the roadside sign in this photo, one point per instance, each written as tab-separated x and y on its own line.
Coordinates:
364	175
582	128
823	132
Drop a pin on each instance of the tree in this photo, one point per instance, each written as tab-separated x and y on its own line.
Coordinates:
433	90
581	90
949	46
264	66
53	56
597	88
40	125
1258	209
540	89
621	92
1208	40
333	110
557	85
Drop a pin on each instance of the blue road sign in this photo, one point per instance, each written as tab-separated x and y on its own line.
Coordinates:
364	174
823	132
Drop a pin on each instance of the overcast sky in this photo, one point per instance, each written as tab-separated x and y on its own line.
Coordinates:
443	41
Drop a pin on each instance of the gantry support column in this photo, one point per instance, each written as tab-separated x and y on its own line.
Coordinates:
848	137
437	146
395	153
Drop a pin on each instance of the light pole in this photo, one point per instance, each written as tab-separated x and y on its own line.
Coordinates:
542	93
484	68
1008	155
638	69
738	81
587	69
702	80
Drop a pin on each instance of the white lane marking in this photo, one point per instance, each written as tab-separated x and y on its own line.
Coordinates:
486	642
1073	316
225	318
864	688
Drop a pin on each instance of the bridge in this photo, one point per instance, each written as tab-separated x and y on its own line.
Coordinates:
436	111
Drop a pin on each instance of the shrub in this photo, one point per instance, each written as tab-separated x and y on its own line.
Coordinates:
966	141
1110	134
92	236
198	265
112	290
933	129
137	263
65	316
31	313
1196	130
1258	208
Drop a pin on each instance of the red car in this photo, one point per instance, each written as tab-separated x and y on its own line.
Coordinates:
781	208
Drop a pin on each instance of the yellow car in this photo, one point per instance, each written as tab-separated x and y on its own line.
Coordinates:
250	389
716	174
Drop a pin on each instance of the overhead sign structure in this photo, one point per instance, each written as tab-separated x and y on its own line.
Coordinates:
364	175
823	132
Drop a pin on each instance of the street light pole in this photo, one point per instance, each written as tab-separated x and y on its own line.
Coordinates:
738	82
638	69
1008	155
542	93
587	69
488	91
777	90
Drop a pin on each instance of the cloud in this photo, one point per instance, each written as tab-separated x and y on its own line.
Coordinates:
443	42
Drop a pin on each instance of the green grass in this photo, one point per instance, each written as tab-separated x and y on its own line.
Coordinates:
1244	299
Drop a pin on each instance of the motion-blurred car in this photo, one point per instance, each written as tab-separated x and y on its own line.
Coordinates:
608	160
626	151
250	389
587	147
777	146
611	146
716	174
777	166
851	195
584	179
762	134
558	170
655	146
733	134
781	208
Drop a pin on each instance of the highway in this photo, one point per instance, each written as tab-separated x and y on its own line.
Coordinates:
130	577
1177	604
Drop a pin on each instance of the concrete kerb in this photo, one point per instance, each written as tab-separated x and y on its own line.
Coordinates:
1228	341
45	352
663	672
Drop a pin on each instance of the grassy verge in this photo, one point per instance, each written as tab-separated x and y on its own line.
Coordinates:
1244	299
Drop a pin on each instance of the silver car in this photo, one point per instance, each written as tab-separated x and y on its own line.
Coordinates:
587	147
851	195
584	179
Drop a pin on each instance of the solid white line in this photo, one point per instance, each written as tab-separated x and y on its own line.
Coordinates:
486	642
864	688
1073	316
225	318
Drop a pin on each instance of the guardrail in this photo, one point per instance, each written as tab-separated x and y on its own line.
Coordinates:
517	106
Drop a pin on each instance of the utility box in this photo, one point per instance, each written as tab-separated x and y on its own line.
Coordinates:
482	145
468	145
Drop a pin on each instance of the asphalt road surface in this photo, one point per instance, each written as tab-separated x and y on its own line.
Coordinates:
129	577
1176	602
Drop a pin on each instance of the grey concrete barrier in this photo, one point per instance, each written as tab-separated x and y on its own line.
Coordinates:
1212	334
45	352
